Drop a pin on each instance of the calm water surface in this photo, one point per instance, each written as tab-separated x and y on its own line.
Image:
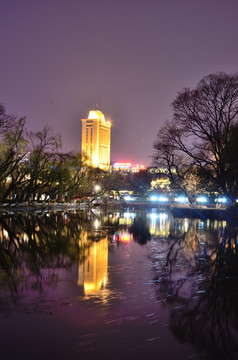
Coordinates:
78	285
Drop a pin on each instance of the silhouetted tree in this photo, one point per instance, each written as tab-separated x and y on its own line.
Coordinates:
201	133
140	182
13	144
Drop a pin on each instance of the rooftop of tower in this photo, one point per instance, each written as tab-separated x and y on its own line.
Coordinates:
96	114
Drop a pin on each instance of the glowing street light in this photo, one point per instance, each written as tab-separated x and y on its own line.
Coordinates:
97	188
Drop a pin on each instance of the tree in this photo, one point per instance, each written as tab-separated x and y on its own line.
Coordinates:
140	182
41	162
72	176
12	153
200	136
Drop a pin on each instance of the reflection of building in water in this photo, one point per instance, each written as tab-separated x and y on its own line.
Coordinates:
92	273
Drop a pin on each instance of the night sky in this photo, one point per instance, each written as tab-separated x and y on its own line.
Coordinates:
59	58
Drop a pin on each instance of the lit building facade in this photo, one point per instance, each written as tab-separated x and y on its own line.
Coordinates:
96	139
127	167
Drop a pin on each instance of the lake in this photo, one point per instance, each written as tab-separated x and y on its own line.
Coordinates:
113	285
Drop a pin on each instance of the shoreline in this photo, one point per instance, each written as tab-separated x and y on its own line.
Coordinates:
223	213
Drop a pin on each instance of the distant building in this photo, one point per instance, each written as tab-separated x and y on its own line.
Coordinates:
127	167
96	139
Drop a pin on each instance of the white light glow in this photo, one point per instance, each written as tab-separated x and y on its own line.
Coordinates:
202	199
162	198
221	200
181	199
129	198
97	187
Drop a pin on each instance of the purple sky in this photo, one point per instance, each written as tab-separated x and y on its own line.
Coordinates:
59	58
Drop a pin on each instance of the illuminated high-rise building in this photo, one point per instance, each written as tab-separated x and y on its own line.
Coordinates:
96	139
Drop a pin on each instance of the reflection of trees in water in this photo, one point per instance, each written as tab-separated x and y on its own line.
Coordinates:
138	226
197	279
140	230
33	247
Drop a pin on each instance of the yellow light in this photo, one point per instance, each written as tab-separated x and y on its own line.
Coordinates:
89	287
96	114
125	237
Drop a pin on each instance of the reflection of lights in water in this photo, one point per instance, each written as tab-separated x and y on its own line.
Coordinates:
201	224
97	224
25	237
129	215
96	212
163	216
5	234
122	236
153	218
113	218
125	237
158	223
223	223
127	218
219	224
186	223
